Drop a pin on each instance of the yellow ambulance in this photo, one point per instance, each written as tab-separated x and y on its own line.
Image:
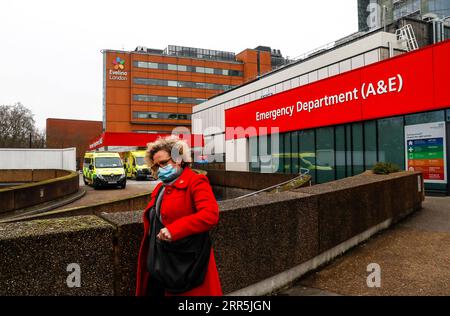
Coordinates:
102	169
135	165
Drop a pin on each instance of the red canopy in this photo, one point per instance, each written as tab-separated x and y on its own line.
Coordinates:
139	139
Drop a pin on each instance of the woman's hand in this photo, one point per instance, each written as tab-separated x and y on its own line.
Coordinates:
164	234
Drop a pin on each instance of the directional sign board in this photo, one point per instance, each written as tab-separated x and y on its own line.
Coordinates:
426	151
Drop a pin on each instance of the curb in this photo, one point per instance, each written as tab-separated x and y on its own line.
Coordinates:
76	196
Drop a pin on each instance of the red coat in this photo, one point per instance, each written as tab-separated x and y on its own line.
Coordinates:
180	218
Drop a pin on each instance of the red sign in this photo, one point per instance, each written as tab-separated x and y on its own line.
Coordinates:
140	139
409	83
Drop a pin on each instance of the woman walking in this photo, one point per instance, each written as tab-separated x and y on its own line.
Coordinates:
176	257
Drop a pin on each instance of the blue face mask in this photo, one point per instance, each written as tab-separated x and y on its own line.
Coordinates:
168	173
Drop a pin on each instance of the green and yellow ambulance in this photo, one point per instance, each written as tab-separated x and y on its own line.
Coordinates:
135	165
102	169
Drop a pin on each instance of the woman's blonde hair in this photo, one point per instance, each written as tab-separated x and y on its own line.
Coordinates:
177	149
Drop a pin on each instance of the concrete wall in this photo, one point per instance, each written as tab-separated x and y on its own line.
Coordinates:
358	203
226	193
132	203
49	185
23	158
36	255
256	240
30	175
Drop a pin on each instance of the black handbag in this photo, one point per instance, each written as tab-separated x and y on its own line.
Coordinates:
177	265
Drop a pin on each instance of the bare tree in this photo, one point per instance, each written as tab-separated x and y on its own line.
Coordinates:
18	129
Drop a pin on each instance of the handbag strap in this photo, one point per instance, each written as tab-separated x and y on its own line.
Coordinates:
158	209
153	212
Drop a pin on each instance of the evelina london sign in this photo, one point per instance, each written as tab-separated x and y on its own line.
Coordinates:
117	73
367	90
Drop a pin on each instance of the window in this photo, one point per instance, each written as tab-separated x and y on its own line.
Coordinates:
348	150
307	157
199	53
253	154
161	115
357	150
181	84
439	7
140	161
150	132
340	152
172	67
265	153
325	154
278	152
405	8
370	144
287	153
295	153
428	117
144	64
145	115
234	73
391	141
108	162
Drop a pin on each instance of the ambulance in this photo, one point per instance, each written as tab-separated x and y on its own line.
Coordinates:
135	165
103	169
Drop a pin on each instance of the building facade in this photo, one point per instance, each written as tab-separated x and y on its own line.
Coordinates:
209	117
62	133
153	91
373	14
336	114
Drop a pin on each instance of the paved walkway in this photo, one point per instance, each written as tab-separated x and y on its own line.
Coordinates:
414	257
104	195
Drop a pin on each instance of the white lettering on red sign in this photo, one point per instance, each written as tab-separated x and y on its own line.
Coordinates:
391	85
97	143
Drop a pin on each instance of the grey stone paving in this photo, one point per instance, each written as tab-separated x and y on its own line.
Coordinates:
414	257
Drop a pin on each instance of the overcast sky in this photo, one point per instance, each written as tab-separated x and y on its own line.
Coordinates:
50	50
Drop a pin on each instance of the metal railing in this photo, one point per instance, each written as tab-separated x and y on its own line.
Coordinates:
406	34
276	186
